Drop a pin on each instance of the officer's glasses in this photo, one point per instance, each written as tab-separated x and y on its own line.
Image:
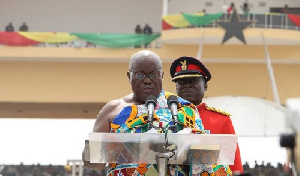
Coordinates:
142	76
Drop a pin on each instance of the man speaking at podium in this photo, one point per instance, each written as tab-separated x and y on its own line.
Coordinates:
130	115
191	77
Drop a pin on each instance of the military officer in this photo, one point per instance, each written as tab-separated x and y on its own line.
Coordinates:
191	77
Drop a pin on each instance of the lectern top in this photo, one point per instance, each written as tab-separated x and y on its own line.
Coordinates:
144	147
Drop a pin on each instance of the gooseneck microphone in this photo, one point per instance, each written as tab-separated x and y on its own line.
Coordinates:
173	104
150	103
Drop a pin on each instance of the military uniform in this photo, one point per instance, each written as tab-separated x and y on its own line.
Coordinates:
217	121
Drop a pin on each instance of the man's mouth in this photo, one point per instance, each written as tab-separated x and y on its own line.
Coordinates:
188	92
147	89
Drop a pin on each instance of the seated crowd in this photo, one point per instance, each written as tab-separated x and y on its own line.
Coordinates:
60	170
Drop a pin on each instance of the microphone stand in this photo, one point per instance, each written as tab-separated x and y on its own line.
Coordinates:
150	123
162	159
174	125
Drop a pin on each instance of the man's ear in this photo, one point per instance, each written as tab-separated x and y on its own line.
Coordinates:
205	86
162	75
129	77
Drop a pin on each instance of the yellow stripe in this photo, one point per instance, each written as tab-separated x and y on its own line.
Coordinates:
49	37
217	110
176	20
37	36
185	76
61	37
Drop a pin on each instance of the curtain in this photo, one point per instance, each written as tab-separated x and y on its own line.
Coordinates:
176	20
165	25
117	40
15	39
199	20
49	37
295	19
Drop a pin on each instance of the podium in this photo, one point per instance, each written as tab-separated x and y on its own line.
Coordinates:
161	149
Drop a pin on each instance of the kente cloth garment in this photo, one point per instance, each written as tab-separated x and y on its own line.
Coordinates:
133	119
219	122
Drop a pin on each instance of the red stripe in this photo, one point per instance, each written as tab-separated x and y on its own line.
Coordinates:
295	19
165	25
190	67
15	39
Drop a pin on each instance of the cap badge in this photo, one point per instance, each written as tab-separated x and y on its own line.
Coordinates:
183	65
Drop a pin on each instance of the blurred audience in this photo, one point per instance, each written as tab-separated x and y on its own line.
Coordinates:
9	27
231	8
138	30
285	9
265	170
148	31
246	7
59	170
23	27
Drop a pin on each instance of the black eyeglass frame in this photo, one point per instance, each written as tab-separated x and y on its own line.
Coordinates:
141	75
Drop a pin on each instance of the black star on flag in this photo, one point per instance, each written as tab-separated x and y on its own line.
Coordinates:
234	27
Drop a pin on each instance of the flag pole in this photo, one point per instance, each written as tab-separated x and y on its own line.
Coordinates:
271	73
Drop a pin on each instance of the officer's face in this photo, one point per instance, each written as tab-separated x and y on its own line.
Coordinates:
191	89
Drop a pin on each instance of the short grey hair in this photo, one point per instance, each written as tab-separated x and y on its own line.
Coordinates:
143	54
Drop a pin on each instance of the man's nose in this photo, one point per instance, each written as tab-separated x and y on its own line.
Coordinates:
147	79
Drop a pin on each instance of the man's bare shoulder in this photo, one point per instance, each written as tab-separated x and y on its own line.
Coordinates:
126	100
114	107
110	111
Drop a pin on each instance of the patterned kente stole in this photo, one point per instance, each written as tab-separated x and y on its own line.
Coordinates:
133	119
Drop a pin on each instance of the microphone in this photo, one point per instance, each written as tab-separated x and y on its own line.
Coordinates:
172	104
151	102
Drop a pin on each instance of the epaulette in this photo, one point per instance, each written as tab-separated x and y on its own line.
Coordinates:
217	110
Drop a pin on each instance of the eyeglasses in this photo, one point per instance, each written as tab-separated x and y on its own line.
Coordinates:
188	81
142	76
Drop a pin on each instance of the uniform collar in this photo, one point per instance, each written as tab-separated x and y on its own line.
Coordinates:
201	106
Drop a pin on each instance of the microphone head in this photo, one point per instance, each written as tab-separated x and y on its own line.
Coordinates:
151	99
172	99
